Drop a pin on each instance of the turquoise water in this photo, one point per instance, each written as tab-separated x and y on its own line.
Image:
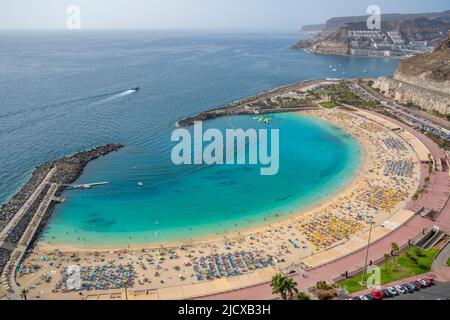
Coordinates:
180	203
64	92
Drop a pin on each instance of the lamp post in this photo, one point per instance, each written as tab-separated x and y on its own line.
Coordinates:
125	282
363	281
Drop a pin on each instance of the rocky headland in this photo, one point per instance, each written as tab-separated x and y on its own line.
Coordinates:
258	104
335	36
422	80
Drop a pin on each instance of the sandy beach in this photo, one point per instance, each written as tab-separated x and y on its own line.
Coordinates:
387	178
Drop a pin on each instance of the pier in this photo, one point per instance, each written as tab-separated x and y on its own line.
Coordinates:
84	186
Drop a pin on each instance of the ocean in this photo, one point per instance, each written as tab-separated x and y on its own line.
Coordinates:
63	92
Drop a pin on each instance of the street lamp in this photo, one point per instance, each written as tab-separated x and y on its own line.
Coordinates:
125	282
363	281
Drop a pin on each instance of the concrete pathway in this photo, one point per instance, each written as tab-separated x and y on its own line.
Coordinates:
28	203
442	258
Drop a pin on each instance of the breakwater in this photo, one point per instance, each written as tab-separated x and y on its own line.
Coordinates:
60	172
250	105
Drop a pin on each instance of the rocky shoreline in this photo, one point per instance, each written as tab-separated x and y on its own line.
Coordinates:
252	105
68	170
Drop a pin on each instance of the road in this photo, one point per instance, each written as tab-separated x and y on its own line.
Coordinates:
410	116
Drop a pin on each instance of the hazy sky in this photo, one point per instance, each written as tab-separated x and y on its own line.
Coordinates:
196	14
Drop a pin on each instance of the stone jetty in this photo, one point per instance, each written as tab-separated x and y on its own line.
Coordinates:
252	105
35	201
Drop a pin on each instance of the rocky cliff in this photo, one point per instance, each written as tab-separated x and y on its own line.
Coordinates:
333	24
335	43
430	71
405	93
423	80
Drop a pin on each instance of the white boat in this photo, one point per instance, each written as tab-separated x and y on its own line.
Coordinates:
140	183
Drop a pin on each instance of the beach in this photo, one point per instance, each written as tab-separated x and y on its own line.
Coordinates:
387	178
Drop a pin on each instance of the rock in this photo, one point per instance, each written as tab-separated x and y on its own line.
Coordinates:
423	80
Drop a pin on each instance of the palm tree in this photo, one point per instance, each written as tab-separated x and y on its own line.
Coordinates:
23	294
302	296
290	287
386	259
277	285
395	248
284	286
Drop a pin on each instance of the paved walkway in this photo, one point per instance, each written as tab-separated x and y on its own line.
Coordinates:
442	258
20	213
8	276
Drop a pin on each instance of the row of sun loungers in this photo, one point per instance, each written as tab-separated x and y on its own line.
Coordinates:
400	168
101	277
327	229
228	265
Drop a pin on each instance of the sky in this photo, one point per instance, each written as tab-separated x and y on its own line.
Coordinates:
197	14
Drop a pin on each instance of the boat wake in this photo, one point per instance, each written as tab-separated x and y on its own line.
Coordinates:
121	94
36	115
74	102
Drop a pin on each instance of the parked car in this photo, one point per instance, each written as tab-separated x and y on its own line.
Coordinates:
414	286
407	288
387	293
429	281
400	289
378	295
355	298
419	284
393	291
424	283
367	297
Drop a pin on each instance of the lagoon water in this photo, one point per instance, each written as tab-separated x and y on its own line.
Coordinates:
65	92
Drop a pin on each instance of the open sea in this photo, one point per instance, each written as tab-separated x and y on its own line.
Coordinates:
63	92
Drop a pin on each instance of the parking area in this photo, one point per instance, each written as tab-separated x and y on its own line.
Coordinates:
437	292
407	288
